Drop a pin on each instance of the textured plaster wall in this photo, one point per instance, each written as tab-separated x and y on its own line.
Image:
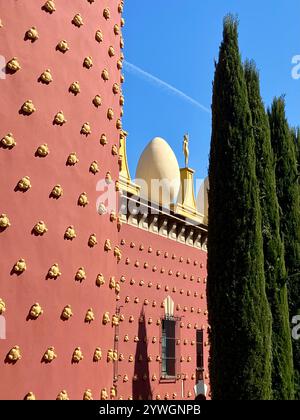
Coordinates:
172	269
25	209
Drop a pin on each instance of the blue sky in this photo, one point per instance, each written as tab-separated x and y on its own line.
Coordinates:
177	42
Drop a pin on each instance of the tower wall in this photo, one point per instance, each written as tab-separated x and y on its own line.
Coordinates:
25	209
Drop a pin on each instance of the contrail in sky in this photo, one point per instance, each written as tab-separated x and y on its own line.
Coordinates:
137	70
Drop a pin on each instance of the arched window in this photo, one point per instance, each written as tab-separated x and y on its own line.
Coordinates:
169	342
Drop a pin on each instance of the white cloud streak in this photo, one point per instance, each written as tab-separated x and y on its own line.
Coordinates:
161	83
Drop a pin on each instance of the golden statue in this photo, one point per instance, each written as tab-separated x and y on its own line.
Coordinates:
186	149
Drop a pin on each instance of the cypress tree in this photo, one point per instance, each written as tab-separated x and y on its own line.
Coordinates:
275	272
296	137
239	314
287	187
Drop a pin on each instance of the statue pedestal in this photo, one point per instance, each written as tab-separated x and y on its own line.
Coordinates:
186	203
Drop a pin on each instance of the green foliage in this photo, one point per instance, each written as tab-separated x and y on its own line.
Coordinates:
239	313
275	272
287	185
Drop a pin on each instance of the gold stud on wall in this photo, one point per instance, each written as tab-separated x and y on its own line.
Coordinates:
115	320
62	46
42	150
40	228
105	318
113	216
100	280
110	114
118	253
54	271
74	88
92	240
49	6
66	312
131	319
83	200
105	75
97	101
99	36
32	34
86	129
103	140
108	177
46	77
111	51
77	355
77	20
110	355
94	167
49	355
119	124
2	306
87	396
4	221
30	396
112	282
20	266
62	396
80	274
14	354
113	392
97	354
89	316
120	7
102	209
88	62
70	233
59	118
107	245
116	29
8	141
106	13
72	159
28	107
24	184
104	394
119	65
36	310
117	290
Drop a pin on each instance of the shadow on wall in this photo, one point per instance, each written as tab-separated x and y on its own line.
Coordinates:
141	389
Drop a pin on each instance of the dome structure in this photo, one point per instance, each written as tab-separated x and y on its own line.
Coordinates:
158	173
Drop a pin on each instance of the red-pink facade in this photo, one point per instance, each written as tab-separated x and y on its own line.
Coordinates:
25	209
155	268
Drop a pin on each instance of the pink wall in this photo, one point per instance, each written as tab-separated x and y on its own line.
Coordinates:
188	277
26	209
